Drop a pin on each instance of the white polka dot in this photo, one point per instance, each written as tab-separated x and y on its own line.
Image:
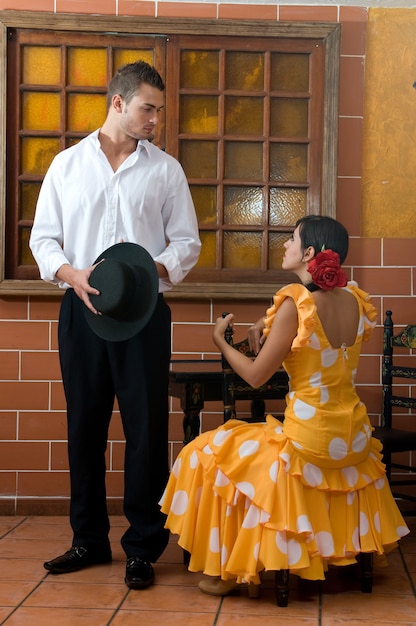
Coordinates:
286	460
207	450
367	429
297	445
278	430
303	524
221	436
328	357
324	394
256	551
314	342
177	467
325	543
366	478
379	483
228	510
360	442
248	448
179	502
264	517
364	526
351	475
361	326
312	474
274	468
252	517
377	521
224	555
193	460
338	449
294	551
221	479
316	379
246	488
214	540
303	411
402	531
351	497
356	540
281	542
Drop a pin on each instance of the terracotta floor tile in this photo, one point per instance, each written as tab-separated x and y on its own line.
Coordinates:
12	594
241	619
21	569
380	607
171	598
77	595
162	618
64	617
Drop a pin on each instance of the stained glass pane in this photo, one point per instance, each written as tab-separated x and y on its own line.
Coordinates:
243	205
87	67
208	254
37	154
289	72
29	193
287	206
198	115
41	65
199	158
276	250
243	116
288	162
243	160
199	69
86	112
289	117
205	201
41	111
242	250
122	57
25	255
244	71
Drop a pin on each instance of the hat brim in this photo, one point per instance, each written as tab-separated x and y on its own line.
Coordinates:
145	297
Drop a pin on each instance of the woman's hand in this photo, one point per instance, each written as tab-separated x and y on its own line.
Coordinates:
255	336
220	328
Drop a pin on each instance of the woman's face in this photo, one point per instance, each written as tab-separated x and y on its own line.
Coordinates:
293	252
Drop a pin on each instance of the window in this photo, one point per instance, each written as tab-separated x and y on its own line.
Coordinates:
252	118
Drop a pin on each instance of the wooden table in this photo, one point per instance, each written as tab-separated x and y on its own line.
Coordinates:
195	382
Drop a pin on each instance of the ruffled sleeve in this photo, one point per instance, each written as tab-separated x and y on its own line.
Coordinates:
369	312
306	312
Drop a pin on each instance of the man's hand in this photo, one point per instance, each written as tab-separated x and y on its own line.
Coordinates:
255	336
79	281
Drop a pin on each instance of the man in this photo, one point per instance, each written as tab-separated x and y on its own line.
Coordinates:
115	186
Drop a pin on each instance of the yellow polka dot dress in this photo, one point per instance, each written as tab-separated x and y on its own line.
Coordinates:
297	495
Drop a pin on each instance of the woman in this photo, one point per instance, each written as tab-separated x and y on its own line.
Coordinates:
309	492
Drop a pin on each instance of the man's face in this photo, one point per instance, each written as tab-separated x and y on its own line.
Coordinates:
140	116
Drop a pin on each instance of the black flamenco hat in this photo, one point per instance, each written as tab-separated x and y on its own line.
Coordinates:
128	283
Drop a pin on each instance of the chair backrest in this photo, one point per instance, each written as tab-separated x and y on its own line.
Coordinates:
390	370
235	388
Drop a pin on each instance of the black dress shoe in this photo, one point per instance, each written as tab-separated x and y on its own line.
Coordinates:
75	559
139	573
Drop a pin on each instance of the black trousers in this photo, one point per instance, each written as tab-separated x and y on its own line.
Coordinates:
135	371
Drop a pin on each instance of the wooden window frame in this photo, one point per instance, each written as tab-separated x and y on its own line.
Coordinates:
329	33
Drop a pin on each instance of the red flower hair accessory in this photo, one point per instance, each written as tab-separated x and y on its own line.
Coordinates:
326	270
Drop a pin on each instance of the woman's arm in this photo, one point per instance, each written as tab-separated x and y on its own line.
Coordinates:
258	371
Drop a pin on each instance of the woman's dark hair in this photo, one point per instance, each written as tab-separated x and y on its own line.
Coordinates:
323	232
130	77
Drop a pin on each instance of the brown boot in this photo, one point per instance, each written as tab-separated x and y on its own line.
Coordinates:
215	586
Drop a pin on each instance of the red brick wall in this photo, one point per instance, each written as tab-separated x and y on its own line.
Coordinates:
33	461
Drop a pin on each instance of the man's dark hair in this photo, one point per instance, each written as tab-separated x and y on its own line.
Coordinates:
323	232
130	77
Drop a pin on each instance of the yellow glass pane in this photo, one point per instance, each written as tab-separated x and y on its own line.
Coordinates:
242	250
276	250
198	115
199	69
244	71
205	201
87	67
41	111
199	158
25	255
41	65
287	206
86	112
243	116
122	57
289	117
243	160
208	255
243	205
288	162
29	193
37	154
289	72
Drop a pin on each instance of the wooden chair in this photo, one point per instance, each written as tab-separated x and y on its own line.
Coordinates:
397	431
235	388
